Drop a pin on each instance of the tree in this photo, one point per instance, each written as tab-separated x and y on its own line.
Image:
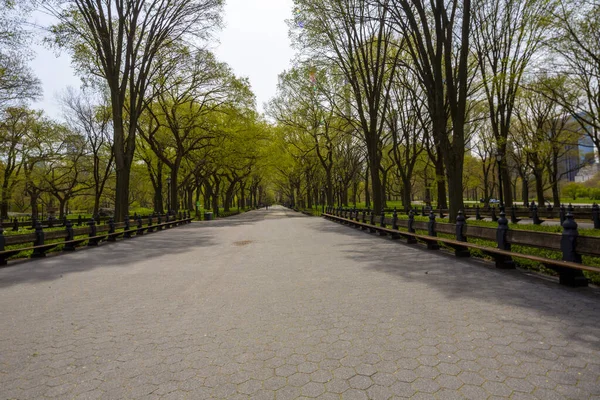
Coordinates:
357	38
90	118
64	170
183	109
507	35
408	124
578	46
15	125
119	43
305	108
438	35
17	81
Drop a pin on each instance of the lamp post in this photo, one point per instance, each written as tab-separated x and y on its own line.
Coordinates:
323	200
499	160
169	195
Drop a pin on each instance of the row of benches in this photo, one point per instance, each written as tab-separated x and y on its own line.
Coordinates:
95	235
516	214
570	270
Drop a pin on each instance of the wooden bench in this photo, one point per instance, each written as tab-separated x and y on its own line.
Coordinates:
570	273
70	245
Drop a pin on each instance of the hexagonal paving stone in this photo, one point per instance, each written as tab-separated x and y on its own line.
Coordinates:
313	389
471	378
365	369
275	383
402	389
344	372
425	385
249	387
405	375
321	376
337	385
298	379
378	392
354	394
360	382
497	388
307	367
448	382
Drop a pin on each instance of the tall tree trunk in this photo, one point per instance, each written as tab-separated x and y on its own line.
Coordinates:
215	197
96	210
374	164
174	189
539	188
229	193
455	172
122	164
5	200
406	193
524	191
367	192
440	175
243	195
507	185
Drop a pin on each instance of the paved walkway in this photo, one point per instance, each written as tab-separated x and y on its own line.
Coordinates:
273	304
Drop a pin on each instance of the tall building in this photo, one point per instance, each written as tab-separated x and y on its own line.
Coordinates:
580	162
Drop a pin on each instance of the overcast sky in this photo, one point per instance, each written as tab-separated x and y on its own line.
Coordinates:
254	43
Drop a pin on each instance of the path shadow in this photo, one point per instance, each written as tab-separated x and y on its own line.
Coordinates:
476	279
181	239
107	255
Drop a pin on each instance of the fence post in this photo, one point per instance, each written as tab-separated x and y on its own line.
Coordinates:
127	227
79	220
150	228
477	214
93	232
596	216
382	219
411	221
15	227
395	224
139	225
159	222
503	262
39	240
423	211
561	214
411	227
568	246
111	229
460	236
364	217
431	245
372	219
441	213
70	237
534	214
